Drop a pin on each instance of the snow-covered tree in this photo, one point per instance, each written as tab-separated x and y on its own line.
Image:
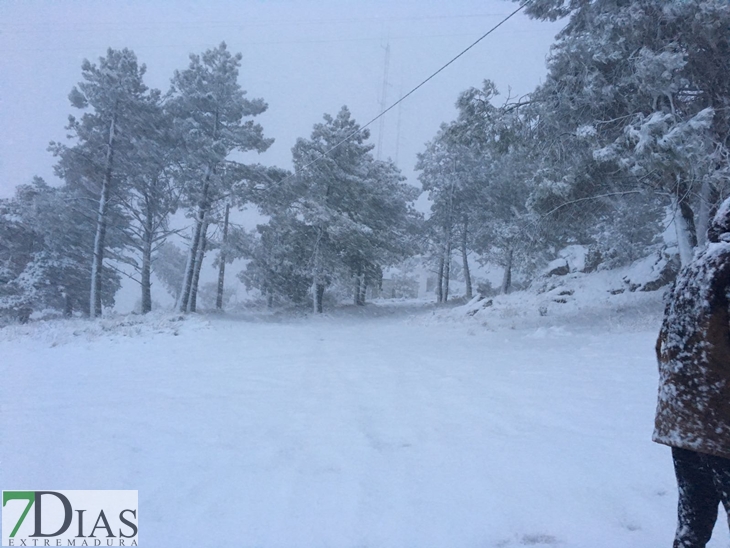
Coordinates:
105	147
169	266
477	171
447	172
635	102
278	264
210	112
45	252
357	209
151	193
340	216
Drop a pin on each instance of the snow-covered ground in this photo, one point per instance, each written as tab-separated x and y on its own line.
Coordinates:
392	426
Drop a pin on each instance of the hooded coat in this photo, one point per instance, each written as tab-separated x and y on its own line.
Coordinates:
693	350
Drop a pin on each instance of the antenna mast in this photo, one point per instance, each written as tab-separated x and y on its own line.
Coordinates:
383	101
397	134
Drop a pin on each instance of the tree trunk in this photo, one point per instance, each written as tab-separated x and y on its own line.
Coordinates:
317	285
360	287
68	305
147	266
440	281
507	279
101	218
198	267
222	261
356	292
363	290
190	264
96	266
447	231
708	201
319	297
315	304
146	281
193	253
447	268
685	228
465	259
184	298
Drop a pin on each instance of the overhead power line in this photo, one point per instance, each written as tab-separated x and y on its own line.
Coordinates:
424	82
26	28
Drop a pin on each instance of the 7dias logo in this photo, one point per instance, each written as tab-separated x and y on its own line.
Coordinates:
70	518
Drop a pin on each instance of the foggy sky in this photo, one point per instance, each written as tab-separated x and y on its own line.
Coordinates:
302	58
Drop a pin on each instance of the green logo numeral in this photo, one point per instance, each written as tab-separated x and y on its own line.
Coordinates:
19	495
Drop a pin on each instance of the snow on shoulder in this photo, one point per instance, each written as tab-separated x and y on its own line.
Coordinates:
55	332
619	300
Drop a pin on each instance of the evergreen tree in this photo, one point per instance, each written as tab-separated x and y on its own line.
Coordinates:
45	252
477	171
278	264
356	209
151	194
169	266
209	108
105	146
636	102
341	217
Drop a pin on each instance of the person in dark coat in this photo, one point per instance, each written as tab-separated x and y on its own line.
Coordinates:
693	409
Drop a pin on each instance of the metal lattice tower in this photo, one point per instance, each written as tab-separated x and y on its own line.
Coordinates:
383	101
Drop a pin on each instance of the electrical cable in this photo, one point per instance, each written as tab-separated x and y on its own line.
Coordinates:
403	98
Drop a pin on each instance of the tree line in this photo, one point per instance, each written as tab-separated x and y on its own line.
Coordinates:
136	156
630	128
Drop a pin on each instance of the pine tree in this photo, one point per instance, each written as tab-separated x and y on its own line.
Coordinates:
477	171
278	260
209	108
357	209
45	257
341	217
169	266
636	102
152	194
105	147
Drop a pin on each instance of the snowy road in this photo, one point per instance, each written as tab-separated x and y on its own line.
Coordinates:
337	432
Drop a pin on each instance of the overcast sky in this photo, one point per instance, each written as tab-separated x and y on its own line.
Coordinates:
302	58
